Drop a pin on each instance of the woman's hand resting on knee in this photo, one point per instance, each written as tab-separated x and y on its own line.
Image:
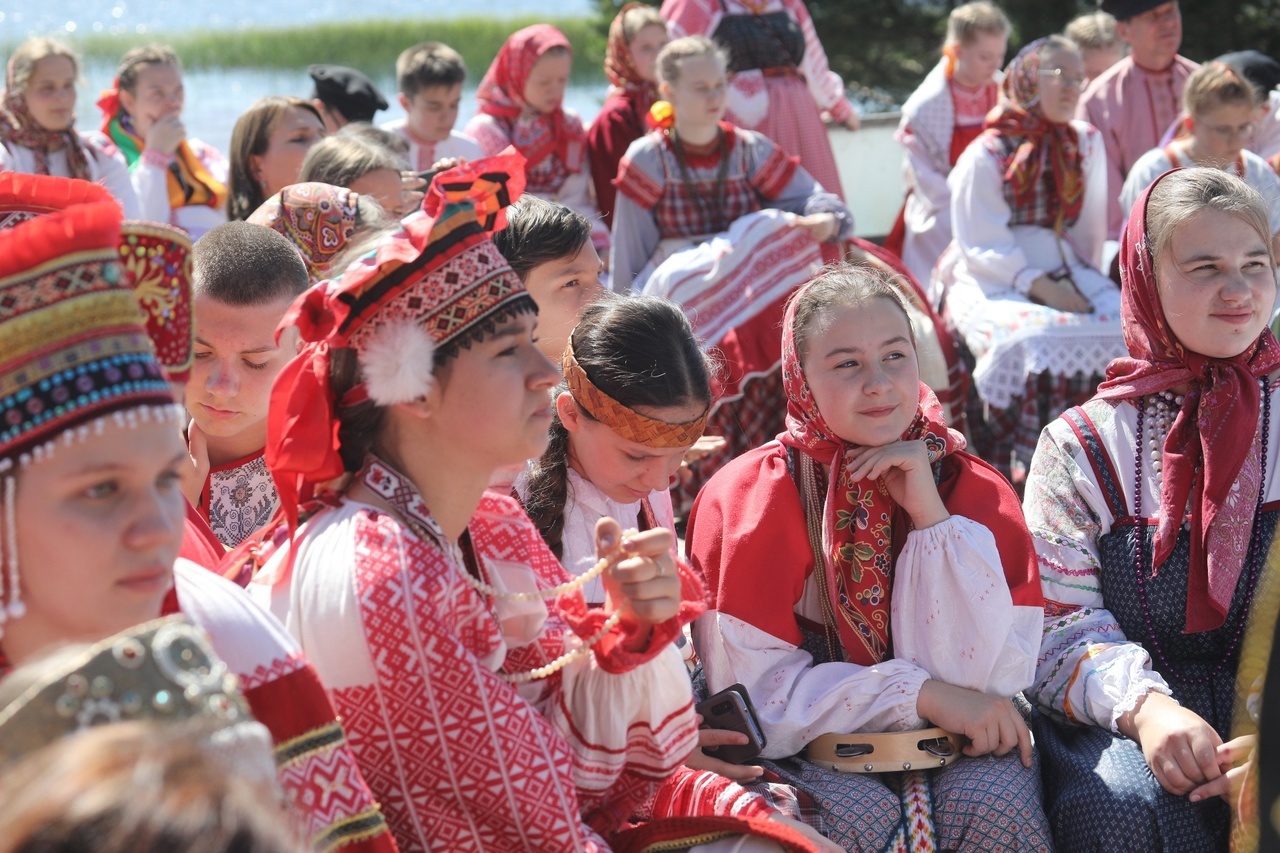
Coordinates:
991	723
1180	747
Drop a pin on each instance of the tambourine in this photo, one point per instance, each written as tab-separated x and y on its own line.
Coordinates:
891	752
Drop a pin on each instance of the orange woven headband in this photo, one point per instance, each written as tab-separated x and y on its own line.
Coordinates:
626	422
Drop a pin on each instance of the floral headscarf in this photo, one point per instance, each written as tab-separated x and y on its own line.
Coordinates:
19	126
1028	144
857	518
1215	427
317	218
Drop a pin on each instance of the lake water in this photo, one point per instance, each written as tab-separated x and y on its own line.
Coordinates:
215	97
22	18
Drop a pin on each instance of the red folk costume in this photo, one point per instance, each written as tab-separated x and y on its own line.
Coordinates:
416	633
781	84
554	144
623	118
79	361
887	608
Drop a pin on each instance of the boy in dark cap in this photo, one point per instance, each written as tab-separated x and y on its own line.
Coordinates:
344	95
1136	100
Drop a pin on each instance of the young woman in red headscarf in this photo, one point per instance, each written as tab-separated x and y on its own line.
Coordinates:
631	64
1021	277
867	575
522	104
1152	507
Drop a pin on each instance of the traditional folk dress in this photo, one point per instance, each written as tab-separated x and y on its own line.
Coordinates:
28	147
712	230
187	188
60	272
320	219
939	121
1152	516
622	120
553	144
1028	199
484	720
781	84
238	499
424	154
958	602
1249	167
1132	107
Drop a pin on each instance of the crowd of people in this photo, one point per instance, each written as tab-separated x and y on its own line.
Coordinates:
414	487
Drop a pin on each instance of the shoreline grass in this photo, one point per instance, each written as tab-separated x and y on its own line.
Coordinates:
371	46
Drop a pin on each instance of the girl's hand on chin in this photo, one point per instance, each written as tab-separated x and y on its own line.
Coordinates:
643	582
904	468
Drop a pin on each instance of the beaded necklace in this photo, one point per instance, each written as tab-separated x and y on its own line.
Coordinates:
1253	559
409	508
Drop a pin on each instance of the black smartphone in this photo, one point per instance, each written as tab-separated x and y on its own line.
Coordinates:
428	175
731	709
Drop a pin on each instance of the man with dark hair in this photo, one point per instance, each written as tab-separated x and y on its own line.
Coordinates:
343	95
1135	101
245	277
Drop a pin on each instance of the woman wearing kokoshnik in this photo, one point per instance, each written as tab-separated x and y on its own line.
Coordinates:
91	460
1152	509
179	181
426	600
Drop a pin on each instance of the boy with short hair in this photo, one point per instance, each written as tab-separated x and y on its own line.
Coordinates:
430	77
549	247
245	277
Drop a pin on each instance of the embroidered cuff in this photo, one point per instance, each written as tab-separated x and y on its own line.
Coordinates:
157	159
841	110
630	643
1153	683
1022	281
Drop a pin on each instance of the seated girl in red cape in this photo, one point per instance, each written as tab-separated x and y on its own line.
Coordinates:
921	607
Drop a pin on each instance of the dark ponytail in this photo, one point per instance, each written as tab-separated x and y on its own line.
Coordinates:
641	351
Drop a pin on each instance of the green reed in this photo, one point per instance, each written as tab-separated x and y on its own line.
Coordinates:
371	46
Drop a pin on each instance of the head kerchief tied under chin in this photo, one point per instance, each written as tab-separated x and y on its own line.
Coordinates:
857	516
1215	427
155	260
319	219
1028	144
625	421
433	283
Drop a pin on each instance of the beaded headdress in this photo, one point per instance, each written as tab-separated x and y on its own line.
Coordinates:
435	283
159	670
155	260
73	349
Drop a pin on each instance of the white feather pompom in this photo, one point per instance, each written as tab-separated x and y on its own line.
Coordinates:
397	362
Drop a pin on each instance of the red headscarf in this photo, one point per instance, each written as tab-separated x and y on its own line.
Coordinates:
1028	143
857	518
19	126
1216	426
619	66
501	94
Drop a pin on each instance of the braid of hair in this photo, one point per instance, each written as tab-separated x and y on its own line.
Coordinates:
548	488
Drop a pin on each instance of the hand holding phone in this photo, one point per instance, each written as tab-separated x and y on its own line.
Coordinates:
731	709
